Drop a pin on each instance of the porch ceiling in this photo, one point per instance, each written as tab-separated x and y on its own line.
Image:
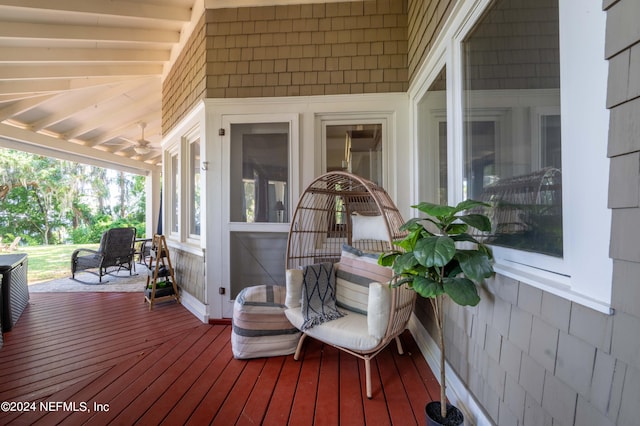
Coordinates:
87	73
77	77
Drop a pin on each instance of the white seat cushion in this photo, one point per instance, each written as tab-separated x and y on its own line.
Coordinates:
354	330
350	331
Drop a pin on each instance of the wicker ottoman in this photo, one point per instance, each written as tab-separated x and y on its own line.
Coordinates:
259	327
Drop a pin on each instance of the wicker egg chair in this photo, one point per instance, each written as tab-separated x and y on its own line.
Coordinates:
340	208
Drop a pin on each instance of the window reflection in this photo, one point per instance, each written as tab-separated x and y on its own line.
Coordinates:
194	208
259	172
356	148
512	123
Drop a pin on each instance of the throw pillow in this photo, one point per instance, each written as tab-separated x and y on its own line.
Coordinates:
369	228
356	271
318	295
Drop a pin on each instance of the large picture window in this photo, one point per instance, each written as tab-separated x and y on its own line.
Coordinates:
432	149
512	148
518	94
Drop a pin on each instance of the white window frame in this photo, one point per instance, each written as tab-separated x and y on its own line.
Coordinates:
348	119
179	147
171	200
189	139
584	274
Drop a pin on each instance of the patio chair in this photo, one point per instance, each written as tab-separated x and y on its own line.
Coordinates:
116	250
11	247
340	223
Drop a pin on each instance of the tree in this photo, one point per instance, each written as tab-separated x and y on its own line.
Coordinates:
47	201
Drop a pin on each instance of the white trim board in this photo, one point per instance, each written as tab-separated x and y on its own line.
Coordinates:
193	305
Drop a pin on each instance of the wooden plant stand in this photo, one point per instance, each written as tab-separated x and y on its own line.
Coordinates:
160	270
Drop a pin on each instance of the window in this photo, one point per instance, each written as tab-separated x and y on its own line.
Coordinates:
511	68
432	157
194	188
174	194
259	172
523	110
356	148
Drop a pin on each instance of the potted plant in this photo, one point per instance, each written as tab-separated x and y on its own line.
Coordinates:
439	258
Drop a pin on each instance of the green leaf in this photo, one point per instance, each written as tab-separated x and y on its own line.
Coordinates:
474	264
462	291
412	224
435	210
470	204
387	259
478	221
409	242
403	280
486	250
464	237
435	251
405	262
457	228
427	287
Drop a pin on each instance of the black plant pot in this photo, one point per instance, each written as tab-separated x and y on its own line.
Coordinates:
432	411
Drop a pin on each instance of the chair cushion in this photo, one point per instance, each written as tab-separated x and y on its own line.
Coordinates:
350	331
354	273
294	288
353	331
379	309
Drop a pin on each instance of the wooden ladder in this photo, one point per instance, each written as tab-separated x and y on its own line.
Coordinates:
160	269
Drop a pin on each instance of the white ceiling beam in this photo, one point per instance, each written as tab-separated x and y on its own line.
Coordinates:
26	30
31	87
27	72
23	105
224	4
25	140
117	132
51	54
68	107
127	9
122	114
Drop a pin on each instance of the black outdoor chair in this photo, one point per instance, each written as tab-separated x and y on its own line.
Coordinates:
116	250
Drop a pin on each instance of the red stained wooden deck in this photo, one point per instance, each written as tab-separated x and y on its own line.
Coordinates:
72	356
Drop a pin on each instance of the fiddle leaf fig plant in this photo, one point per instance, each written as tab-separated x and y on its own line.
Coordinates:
440	258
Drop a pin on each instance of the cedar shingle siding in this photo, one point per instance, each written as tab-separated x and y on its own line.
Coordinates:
296	50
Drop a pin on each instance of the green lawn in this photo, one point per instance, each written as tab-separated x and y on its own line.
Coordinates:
50	262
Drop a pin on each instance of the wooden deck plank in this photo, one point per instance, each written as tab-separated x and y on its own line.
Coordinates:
256	405
125	396
409	372
278	411
166	367
217	394
375	409
163	405
304	399
328	382
351	403
396	395
176	364
191	400
234	401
